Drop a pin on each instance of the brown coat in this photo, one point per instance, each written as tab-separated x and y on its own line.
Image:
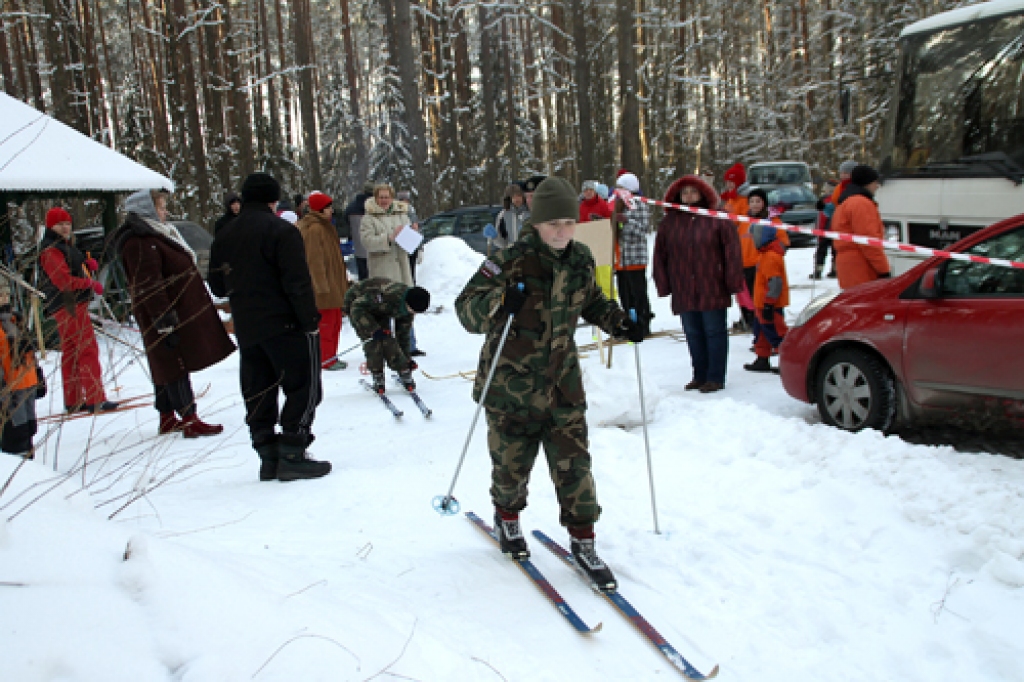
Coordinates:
326	264
164	284
858	214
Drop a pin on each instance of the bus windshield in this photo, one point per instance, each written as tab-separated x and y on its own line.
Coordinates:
961	95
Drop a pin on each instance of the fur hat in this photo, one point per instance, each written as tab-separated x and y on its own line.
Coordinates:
847	166
863	175
708	193
737	175
554	199
628	182
261	188
56	215
318	201
418	299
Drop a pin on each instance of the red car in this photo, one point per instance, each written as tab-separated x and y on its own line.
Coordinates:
942	342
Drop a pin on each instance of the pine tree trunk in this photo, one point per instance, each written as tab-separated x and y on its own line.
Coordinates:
631	153
510	98
581	70
158	105
5	64
268	68
487	101
362	160
413	112
303	58
239	112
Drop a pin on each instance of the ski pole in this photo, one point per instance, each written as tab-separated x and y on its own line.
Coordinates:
643	417
446	504
330	361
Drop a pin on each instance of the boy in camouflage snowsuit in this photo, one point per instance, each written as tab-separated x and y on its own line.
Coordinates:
536	396
371	305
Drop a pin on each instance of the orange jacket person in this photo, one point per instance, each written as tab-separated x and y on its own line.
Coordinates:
67	302
857	213
20	381
771	296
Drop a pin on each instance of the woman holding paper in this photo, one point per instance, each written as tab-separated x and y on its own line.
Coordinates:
381	229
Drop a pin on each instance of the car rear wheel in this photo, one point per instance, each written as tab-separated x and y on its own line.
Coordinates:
855	391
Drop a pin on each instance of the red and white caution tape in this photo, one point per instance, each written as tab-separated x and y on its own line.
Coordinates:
844	236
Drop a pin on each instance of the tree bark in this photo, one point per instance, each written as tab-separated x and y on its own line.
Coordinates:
581	69
510	98
240	118
303	58
631	152
362	160
487	101
5	64
413	112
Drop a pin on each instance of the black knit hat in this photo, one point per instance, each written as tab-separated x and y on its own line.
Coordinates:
261	188
418	299
863	175
758	192
531	184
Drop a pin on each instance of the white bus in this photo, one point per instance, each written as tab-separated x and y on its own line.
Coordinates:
954	153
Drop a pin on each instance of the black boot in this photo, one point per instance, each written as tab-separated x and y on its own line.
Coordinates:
759	365
817	272
586	558
378	382
269	457
405	377
510	537
296	464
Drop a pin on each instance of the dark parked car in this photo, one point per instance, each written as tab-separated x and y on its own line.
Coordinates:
802	211
466	223
940	343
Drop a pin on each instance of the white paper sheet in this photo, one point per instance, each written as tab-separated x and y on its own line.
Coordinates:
409	239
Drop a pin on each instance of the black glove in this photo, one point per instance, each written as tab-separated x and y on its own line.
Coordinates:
172	340
513	299
381	334
768	314
630	330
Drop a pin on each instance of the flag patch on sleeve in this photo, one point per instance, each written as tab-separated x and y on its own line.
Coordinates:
489	269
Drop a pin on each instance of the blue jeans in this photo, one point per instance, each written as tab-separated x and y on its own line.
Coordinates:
707	337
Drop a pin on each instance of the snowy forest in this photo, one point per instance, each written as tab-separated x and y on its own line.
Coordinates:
452	99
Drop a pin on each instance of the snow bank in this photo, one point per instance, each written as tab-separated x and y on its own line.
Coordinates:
448	263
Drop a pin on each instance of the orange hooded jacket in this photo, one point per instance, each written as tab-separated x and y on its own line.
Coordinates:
858	214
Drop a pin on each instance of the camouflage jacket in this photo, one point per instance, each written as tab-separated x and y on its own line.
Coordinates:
372	303
539	369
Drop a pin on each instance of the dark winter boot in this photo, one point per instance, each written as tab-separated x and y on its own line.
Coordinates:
269	457
817	272
405	377
378	382
759	365
169	423
585	554
295	463
510	535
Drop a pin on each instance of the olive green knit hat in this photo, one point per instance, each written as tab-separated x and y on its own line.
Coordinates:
555	199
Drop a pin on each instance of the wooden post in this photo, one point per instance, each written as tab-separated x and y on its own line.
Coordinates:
37	318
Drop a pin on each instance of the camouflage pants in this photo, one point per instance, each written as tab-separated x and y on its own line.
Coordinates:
514	443
377	352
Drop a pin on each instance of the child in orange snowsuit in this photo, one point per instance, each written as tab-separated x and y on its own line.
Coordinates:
20	386
771	296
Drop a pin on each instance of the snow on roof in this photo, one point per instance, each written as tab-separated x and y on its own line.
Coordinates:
39	153
964	15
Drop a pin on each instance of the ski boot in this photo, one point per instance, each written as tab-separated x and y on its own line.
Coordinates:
510	536
269	458
586	558
378	382
405	377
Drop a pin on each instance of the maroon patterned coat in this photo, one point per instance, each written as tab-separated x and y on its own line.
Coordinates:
696	258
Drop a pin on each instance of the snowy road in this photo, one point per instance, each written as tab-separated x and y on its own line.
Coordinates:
789	550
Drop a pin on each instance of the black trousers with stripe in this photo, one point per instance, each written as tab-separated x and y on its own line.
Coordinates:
288	362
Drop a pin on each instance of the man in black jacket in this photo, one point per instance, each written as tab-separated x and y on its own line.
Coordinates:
232	205
258	261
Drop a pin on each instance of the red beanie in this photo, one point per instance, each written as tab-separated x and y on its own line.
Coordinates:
56	215
318	201
622	171
736	174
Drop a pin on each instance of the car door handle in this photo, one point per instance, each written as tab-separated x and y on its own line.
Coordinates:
888	317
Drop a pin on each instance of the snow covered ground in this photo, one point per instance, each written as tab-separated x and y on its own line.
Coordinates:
788	551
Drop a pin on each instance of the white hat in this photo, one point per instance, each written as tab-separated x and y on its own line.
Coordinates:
628	181
290	216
